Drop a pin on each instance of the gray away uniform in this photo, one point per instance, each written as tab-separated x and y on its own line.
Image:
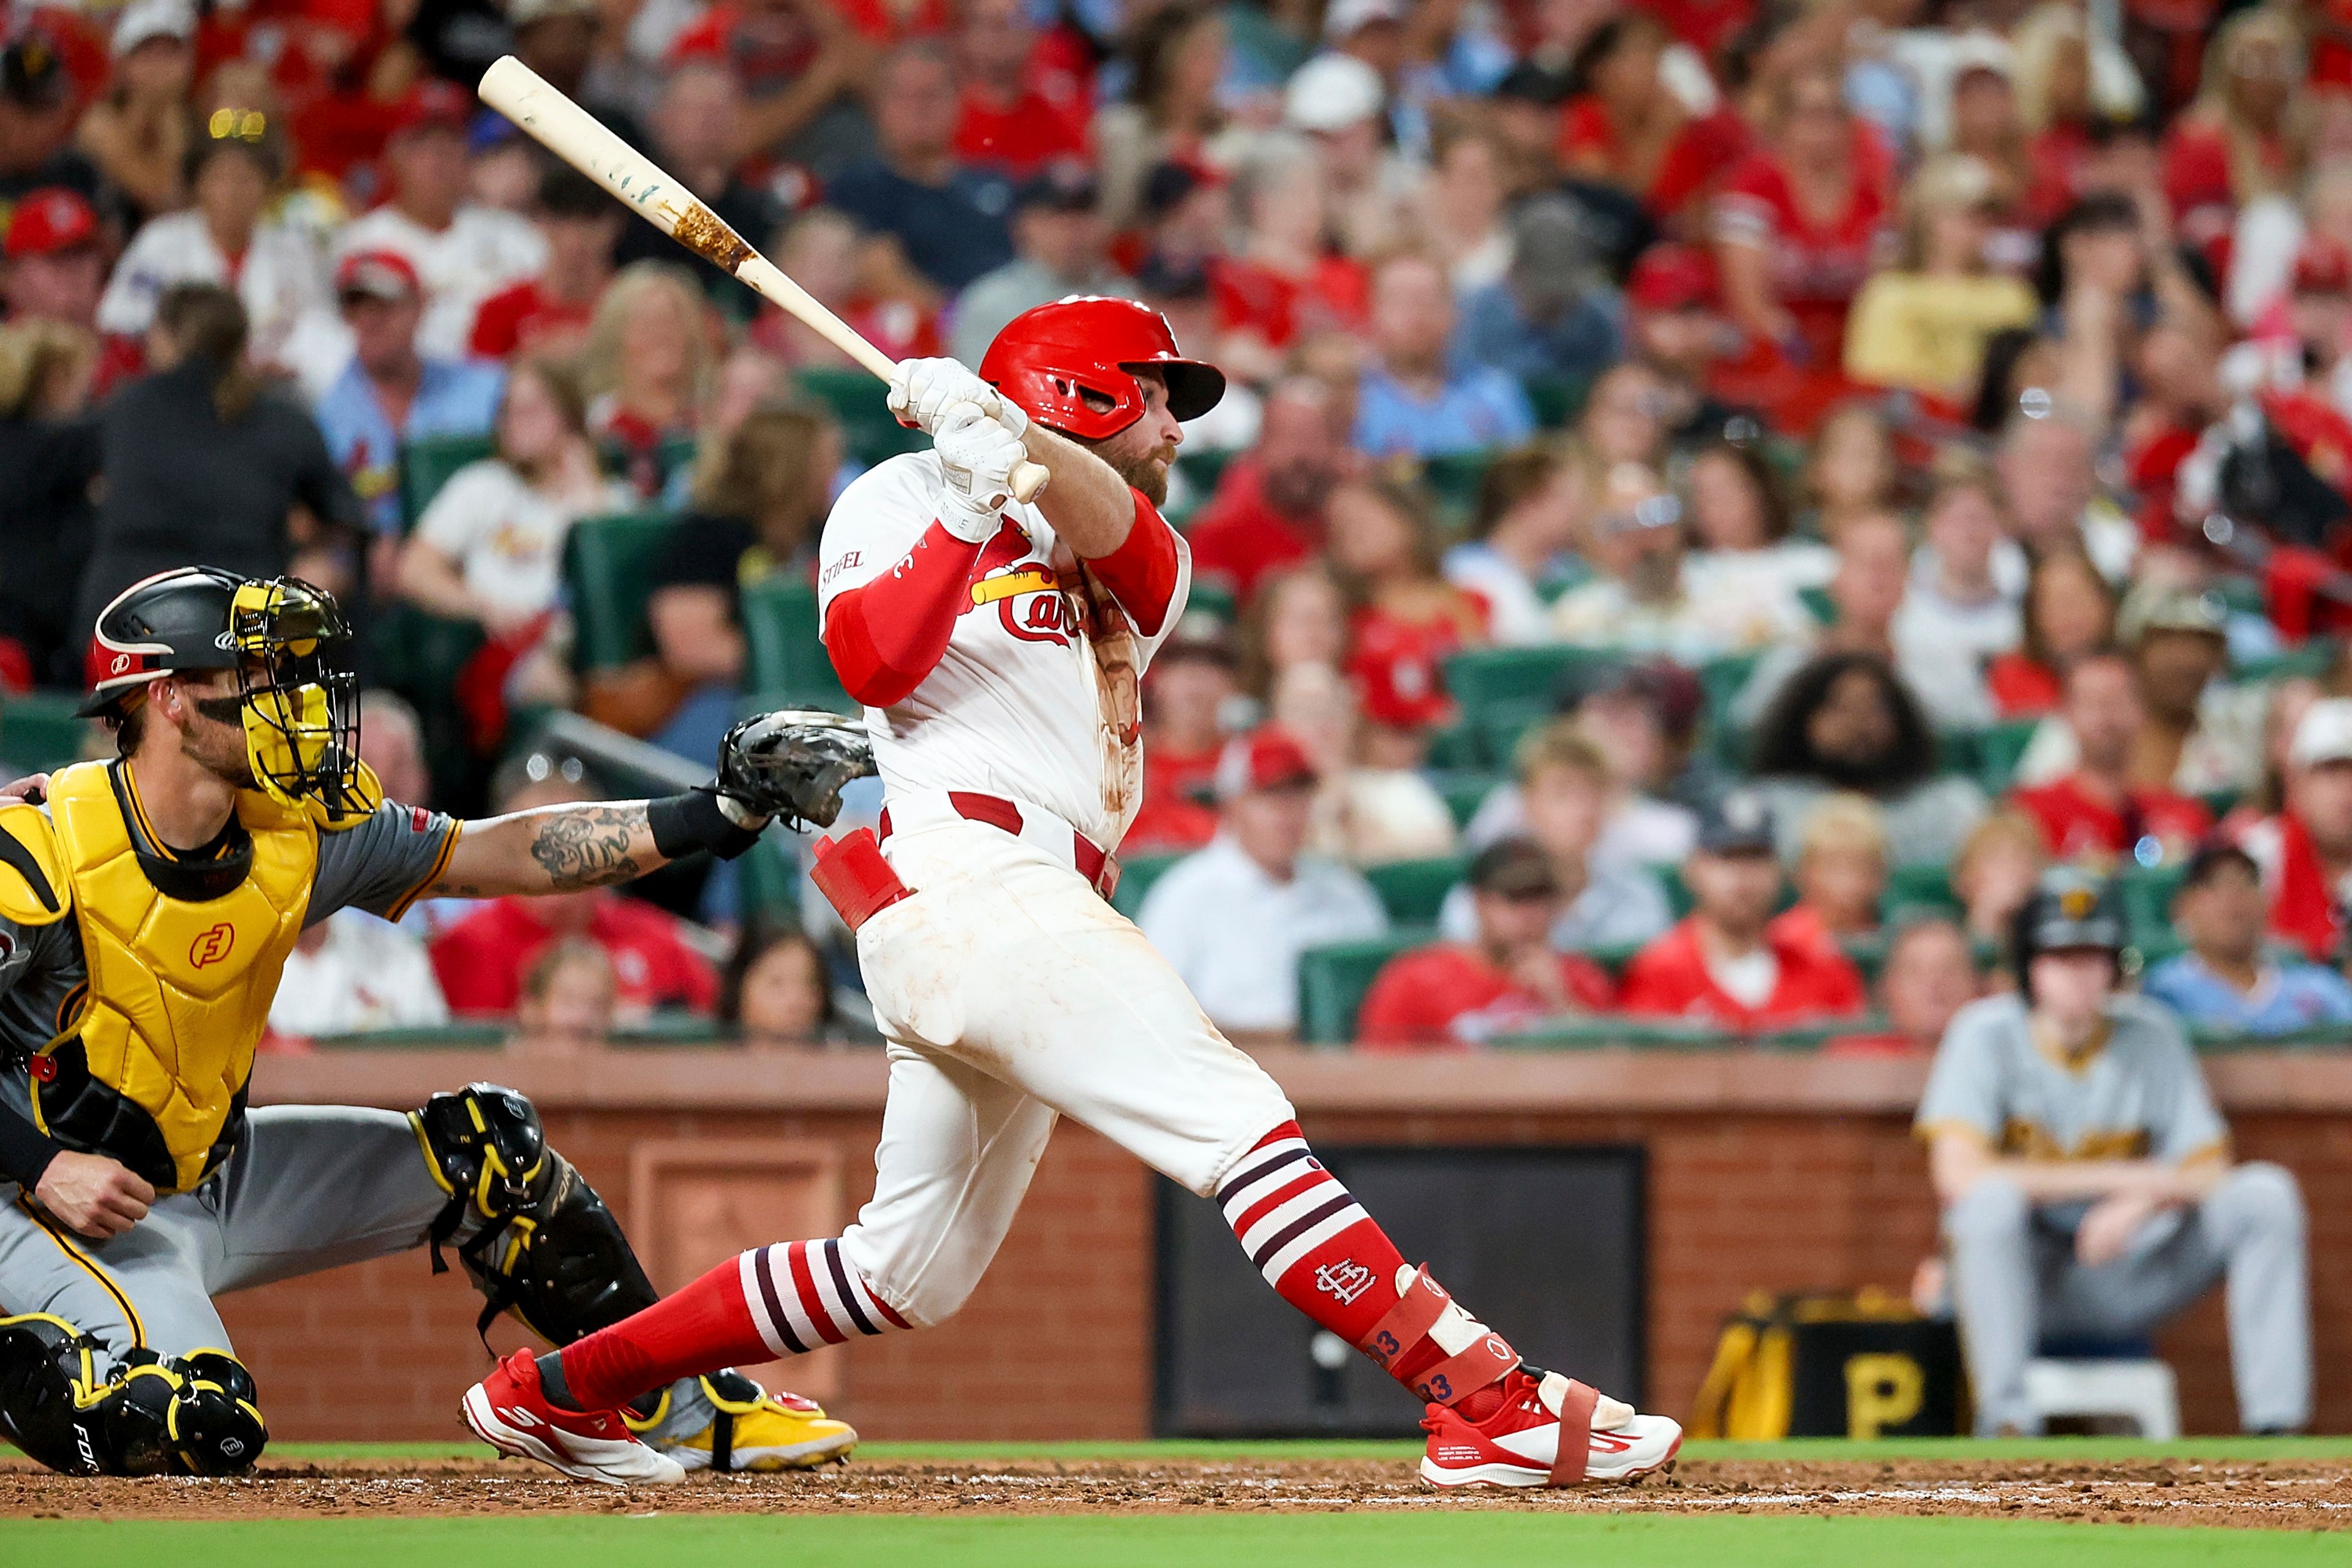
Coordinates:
2015	1278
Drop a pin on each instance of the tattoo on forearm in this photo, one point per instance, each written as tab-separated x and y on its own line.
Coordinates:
588	846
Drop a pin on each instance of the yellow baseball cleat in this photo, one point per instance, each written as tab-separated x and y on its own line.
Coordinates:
755	1430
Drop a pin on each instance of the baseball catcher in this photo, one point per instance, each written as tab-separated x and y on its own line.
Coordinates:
997	647
147	905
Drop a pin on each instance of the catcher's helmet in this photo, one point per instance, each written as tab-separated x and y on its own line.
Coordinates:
2069	908
289	642
1048	358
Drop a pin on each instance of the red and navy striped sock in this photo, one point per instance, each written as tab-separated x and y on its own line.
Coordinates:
1310	1238
785	1299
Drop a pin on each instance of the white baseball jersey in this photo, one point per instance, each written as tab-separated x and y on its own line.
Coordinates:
1036	698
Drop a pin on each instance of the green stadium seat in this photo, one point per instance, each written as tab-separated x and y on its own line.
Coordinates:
1504	691
1556	399
433	1038
1919	887
418	657
608	563
786	645
1818	604
1678	893
1200	471
1411	890
854	398
1332	981
1582	1033
2146	894
1455	479
1135	879
2311	659
1465	789
768	881
428	463
1959	751
2244	595
1999	747
670	1026
1215	598
1868	954
39	731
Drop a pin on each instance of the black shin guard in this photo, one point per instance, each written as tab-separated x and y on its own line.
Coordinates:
193	1415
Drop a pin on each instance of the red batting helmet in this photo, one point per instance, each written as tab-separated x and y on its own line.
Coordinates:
1046	359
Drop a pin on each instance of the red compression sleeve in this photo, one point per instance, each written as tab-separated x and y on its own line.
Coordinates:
886	636
1141	573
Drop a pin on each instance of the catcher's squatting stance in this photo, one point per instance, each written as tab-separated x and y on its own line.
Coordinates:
996	647
147	906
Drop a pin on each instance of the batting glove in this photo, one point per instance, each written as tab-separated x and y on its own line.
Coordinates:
979	454
924	390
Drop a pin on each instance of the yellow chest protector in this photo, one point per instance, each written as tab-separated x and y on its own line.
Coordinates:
152	1068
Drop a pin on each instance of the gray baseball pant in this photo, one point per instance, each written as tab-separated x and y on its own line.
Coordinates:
2015	1280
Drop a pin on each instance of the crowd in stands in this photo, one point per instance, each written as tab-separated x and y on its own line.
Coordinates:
1714	497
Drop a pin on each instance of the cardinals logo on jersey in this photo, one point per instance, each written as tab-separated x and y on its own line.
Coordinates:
1027	593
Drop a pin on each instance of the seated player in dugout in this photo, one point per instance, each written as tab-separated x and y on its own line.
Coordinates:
2085	1177
147	905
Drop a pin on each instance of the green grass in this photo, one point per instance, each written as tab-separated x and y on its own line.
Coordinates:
2215	1448
1487	1540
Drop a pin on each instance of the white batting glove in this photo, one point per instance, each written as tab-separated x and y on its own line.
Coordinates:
979	454
922	392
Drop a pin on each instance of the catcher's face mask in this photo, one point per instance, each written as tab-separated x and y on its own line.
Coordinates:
300	699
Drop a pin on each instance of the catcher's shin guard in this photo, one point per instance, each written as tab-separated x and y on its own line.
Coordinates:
192	1416
538	1240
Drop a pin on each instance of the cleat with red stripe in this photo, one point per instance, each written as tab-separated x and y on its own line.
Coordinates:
1521	1443
508	1411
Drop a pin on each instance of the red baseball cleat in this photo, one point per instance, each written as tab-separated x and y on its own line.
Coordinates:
508	1411
1550	1432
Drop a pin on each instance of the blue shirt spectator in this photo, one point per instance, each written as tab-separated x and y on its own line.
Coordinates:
1412	401
953	223
381	302
1548	318
2225	982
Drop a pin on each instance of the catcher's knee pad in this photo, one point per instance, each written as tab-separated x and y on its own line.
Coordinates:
537	1238
194	1414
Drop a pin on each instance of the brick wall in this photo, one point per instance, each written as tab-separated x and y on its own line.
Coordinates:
1764	1173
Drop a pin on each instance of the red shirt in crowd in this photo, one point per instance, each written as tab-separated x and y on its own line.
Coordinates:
1398	665
1241	538
1816	266
1669	979
1451	995
2078	819
1172	817
1704	25
481	959
1280	306
2303	906
1019	138
2021	687
1699	150
524	318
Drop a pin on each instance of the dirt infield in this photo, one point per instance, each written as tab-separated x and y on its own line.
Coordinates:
2285	1494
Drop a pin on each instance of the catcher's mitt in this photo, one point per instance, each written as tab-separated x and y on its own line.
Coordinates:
792	764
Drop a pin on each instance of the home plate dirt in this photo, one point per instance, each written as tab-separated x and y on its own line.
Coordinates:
2284	1495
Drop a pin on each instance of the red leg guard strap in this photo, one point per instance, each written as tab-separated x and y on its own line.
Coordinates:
1575	1435
1488	1361
1405	1328
1407	1323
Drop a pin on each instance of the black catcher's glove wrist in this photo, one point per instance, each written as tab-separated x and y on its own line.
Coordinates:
792	764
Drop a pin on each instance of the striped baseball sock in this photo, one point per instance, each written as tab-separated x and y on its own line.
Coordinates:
1310	1238
785	1299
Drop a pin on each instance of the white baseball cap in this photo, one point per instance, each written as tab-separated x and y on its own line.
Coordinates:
2323	734
1332	92
1346	18
144	19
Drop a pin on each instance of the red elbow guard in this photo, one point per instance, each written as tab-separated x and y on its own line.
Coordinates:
1141	573
885	637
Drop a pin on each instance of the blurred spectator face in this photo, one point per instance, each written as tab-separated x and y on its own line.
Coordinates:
1727	510
2070	987
1299	452
2223	916
1963	525
1064	242
1565	808
567	997
658	335
1635	533
1317	705
429	172
1854	463
2103	709
2320	796
1996	871
1190	689
504	175
579	247
1929	976
531	432
231	190
2109	259
1813	129
1411	314
159	69
1623	418
1470	184
820	253
784	993
699	116
2262	79
2177	365
62	286
1853	725
1873	570
1305	622
1734	893
747	378
1270	824
1630	736
2175	667
1984	110
560	46
1368	536
2047	479
384	332
1844	885
915	111
2070	605
394	752
994	46
1515	922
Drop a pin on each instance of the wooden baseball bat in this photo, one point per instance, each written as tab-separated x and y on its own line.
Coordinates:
550	117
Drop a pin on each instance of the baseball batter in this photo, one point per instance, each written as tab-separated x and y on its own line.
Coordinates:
147	906
997	649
